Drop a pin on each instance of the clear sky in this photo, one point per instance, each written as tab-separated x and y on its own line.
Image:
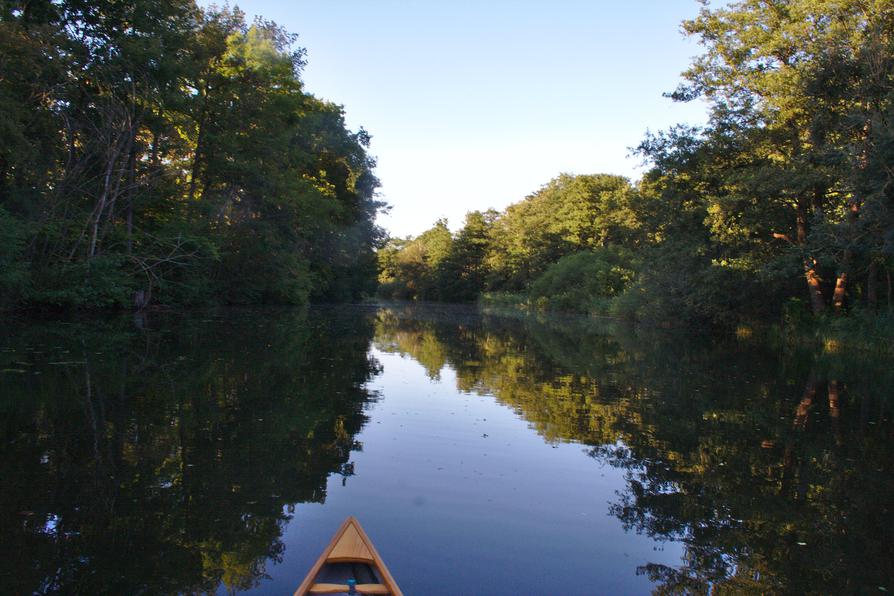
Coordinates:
474	105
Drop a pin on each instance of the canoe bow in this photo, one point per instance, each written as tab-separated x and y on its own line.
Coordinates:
350	544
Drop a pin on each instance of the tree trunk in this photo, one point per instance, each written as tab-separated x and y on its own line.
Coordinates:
131	193
814	283
194	173
844	272
153	155
108	191
200	137
841	284
101	206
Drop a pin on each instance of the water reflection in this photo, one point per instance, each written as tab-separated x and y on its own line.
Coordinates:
771	465
165	457
168	454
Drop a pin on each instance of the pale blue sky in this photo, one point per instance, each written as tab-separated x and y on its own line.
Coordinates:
477	104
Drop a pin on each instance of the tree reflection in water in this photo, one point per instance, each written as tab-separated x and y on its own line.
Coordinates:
771	486
168	458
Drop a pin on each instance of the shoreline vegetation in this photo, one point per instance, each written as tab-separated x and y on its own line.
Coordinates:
780	210
161	155
157	153
864	334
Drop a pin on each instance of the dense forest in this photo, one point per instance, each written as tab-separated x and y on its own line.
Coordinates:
155	152
782	204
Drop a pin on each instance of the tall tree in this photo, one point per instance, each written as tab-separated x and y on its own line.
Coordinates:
801	83
157	151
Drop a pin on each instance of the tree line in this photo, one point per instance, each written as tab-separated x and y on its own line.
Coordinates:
782	203
153	151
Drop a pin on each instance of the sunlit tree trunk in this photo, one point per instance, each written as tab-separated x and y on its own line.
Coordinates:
200	142
814	283
840	293
841	284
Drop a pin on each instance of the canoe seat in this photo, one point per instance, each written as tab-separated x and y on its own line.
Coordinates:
343	589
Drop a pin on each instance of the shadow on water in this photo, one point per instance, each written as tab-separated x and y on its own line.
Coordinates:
166	454
771	466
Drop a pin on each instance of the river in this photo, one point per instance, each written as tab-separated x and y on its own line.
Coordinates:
217	452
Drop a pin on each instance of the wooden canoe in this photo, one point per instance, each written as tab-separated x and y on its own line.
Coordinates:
349	556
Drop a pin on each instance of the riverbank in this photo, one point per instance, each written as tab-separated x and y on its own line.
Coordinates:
861	331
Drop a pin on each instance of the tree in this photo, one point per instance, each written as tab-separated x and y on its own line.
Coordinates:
465	268
156	151
568	214
801	85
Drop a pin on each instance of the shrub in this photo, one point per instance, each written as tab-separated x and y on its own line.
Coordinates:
14	274
101	282
585	282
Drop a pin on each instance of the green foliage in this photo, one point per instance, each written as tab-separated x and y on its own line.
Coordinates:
173	151
507	251
785	194
800	93
583	282
415	268
14	275
504	302
252	272
102	282
567	215
465	267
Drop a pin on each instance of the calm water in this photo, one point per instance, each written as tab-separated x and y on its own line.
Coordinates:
218	452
